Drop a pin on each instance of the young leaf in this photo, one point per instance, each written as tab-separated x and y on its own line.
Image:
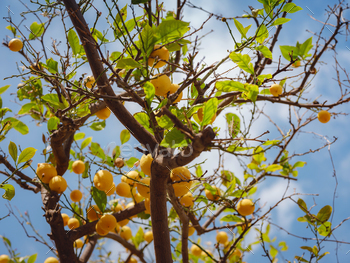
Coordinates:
74	43
98	126
4	88
9	191
229	86
209	111
96	150
36	30
261	34
32	258
143	119
124	136
234	124
52	65
291	8
243	61
52	124
265	51
325	229
13	151
26	154
78	136
273	168
138	238
100	198
85	143
324	214
281	21
302	205
149	90
128	63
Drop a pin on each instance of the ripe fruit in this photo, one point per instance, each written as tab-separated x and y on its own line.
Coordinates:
236	253
65	218
212	197
133	176
103	180
119	162
100	230
51	260
15	44
138	198
131	193
142	189
111	190
4	258
156	55
93	213
78	167
245	207
45	172
118	208
73	223
161	84
187	199
58	184
148	236
89	80
107	222
324	116
181	188
195	250
276	90
147	206
145	164
132	260
125	232
123	222
76	195
103	114
296	64
191	230
173	88
221	237
180	174
78	243
123	189
200	116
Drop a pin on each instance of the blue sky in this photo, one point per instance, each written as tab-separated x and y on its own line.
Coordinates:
315	178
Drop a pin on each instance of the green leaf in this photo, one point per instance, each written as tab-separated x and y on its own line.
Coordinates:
26	155
280	21
305	47
138	238
273	168
12	29
36	30
26	108
234	124
324	254
9	191
231	218
4	88
199	171
147	40
283	246
252	93
209	111
265	51
287	51
124	136
240	28
128	63
116	152
301	259
115	56
229	86
307	248
131	161
98	126
86	142
259	155
52	65
261	34
78	136
291	8
165	122
13	151
302	205
273	251
243	61
98	35
170	30
149	90
324	214
325	229
54	100
17	125
174	138
52	124
299	164
143	119
136	2
32	258
100	198
96	150
74	43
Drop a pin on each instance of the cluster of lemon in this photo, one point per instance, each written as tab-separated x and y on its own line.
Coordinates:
48	175
161	82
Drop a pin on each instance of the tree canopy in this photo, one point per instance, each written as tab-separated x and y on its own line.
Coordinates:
152	138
